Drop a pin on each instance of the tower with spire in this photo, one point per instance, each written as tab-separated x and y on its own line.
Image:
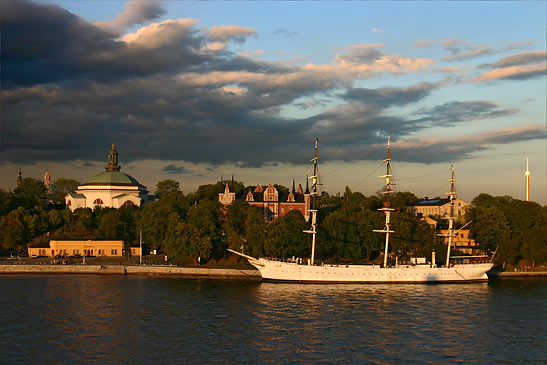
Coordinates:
19	182
112	162
47	181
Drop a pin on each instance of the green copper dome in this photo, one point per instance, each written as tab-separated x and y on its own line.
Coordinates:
112	178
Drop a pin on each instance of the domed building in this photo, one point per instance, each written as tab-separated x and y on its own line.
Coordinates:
109	189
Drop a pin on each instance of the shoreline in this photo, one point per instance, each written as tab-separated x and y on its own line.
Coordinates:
515	274
181	271
129	270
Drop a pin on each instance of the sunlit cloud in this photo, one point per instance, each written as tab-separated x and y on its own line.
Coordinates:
513	73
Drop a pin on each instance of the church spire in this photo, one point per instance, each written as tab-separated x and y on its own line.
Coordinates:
112	161
47	180
19	179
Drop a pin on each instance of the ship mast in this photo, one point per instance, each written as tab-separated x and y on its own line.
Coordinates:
452	195
313	211
386	208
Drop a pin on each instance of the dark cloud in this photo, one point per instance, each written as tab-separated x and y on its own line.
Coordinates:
366	55
454	149
391	96
43	43
461	50
175	170
136	12
457	112
519	59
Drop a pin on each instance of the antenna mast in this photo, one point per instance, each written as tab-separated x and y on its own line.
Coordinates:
386	209
527	177
313	211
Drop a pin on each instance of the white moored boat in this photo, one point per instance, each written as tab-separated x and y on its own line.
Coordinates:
472	270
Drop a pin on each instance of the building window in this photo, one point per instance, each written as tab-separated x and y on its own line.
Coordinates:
69	203
128	203
98	201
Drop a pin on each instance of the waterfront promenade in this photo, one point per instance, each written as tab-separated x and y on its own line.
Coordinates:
116	269
122	269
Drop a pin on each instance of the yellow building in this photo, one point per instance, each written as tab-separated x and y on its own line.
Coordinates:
438	207
82	247
461	242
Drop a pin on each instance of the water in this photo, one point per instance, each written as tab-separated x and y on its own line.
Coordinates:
112	319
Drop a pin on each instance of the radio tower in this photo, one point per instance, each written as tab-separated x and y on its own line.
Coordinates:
527	177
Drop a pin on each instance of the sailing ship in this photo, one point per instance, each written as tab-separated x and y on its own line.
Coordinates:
469	270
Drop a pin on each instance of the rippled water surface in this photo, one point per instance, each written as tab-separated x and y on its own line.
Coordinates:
80	318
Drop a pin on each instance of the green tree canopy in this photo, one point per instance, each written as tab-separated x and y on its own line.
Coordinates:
167	187
62	186
286	237
255	233
31	194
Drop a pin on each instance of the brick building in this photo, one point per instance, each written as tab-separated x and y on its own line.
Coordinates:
271	203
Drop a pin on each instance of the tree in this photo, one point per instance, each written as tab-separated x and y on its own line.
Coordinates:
412	236
4	202
237	215
339	236
367	221
286	237
401	199
14	231
110	226
255	233
62	186
85	220
154	221
193	242
491	230
534	248
167	187
31	194
206	217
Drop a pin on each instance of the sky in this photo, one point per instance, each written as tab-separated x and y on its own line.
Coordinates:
196	91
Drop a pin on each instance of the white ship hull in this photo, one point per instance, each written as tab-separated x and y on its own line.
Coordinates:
292	272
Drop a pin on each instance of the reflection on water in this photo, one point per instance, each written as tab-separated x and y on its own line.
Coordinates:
142	319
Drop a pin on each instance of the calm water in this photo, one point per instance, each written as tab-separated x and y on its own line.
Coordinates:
78	318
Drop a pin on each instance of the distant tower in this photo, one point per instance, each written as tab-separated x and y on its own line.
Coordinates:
527	178
19	179
47	181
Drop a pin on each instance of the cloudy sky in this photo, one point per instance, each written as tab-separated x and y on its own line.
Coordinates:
198	90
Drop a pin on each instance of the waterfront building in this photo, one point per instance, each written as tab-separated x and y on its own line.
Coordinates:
96	248
439	207
461	241
109	189
271	203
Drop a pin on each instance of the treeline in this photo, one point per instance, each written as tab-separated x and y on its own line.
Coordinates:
196	225
516	228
